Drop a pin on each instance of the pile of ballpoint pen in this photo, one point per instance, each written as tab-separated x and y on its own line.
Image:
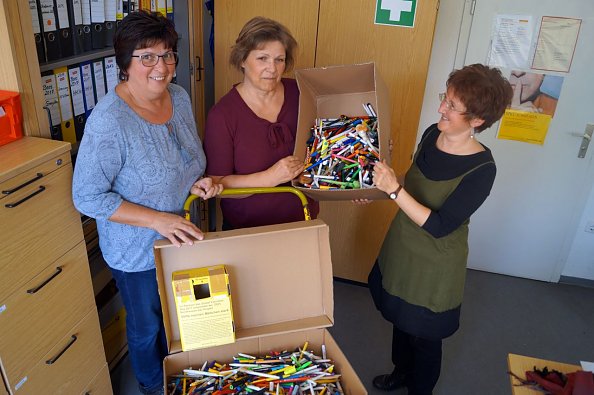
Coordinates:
278	373
341	152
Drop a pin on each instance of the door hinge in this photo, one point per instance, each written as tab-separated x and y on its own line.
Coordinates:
191	68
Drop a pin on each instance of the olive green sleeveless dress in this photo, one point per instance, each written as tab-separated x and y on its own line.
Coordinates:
422	277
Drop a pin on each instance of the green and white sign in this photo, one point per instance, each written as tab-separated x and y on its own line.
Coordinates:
395	12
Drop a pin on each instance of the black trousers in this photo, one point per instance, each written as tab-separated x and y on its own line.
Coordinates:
419	359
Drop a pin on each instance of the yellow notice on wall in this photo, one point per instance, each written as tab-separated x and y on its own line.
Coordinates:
203	304
528	127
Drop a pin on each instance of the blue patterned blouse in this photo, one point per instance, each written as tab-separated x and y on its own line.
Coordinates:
123	157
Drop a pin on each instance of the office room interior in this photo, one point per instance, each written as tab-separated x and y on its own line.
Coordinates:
529	287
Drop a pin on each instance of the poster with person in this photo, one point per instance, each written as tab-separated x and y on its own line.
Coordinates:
533	106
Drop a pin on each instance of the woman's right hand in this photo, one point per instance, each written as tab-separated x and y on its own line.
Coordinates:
286	169
177	229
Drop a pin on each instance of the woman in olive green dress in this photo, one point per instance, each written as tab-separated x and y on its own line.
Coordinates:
417	282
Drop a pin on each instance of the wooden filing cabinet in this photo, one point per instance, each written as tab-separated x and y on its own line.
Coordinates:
51	340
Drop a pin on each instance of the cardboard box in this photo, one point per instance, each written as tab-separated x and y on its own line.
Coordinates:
203	307
281	279
329	92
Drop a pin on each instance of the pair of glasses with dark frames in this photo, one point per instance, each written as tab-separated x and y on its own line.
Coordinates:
151	59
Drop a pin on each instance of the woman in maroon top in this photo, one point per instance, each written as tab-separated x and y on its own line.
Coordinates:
250	132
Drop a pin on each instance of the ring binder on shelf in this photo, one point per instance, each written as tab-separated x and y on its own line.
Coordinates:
65	29
50	30
110	21
98	23
75	16
98	79
78	101
35	9
85	6
111	72
50	95
63	88
86	72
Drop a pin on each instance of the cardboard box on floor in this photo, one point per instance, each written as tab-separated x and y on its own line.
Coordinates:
281	287
329	92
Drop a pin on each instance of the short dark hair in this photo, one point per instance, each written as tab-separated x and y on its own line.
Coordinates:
483	90
141	29
255	33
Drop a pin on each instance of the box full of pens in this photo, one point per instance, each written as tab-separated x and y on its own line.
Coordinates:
281	339
343	128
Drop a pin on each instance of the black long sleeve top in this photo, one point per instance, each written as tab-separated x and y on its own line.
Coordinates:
470	194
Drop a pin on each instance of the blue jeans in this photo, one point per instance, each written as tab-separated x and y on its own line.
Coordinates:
147	344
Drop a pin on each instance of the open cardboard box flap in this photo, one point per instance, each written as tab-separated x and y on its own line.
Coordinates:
329	92
280	277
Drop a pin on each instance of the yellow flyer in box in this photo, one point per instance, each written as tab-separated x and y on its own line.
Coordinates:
203	305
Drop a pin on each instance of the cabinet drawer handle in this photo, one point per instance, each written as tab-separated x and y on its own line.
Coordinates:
54	359
13	205
43	284
13	190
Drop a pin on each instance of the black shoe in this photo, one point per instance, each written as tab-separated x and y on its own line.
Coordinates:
390	382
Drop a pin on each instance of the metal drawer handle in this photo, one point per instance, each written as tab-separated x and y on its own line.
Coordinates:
13	190
43	284
54	359
13	205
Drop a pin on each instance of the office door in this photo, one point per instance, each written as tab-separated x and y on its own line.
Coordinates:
527	225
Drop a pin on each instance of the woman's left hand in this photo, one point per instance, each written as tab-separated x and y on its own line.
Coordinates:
384	177
206	188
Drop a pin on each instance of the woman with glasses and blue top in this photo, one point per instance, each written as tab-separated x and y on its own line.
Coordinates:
139	158
417	282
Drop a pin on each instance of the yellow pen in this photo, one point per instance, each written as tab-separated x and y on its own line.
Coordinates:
303	349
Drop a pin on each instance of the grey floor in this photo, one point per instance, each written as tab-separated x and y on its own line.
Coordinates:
500	314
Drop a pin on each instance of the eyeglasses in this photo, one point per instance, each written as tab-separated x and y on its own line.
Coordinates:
449	105
150	59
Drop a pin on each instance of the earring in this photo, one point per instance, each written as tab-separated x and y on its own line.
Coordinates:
472	133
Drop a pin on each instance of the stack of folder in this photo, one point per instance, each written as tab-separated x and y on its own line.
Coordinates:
65	28
71	94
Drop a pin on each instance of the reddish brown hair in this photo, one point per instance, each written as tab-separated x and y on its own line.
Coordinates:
483	90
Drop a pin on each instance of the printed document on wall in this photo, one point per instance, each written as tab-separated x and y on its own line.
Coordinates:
556	43
511	39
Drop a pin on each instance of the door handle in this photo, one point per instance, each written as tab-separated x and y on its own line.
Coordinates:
13	205
55	358
24	184
199	69
586	137
43	284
